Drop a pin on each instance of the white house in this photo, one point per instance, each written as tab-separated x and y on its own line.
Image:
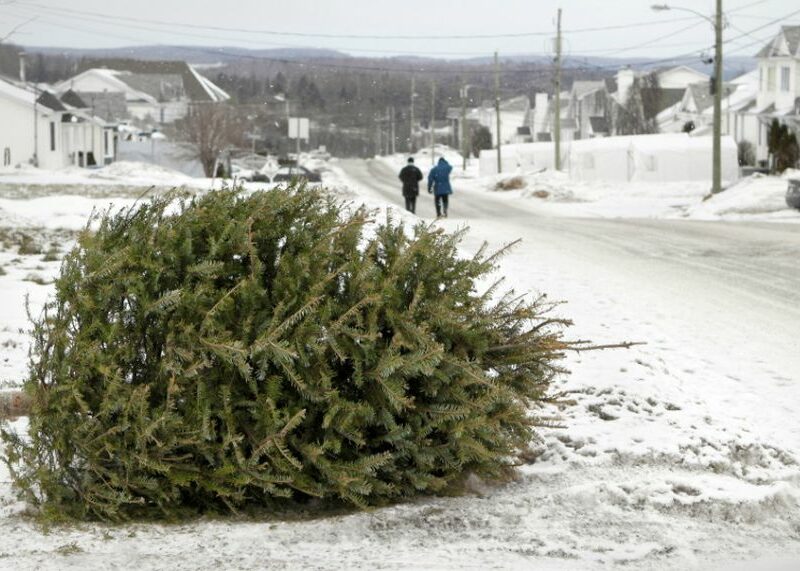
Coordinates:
154	91
589	108
513	115
778	84
39	129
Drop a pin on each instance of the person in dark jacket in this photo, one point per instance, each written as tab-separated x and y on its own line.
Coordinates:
410	175
439	181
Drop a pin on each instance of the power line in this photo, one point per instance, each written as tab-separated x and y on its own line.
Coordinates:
464	69
339	48
352	36
467	68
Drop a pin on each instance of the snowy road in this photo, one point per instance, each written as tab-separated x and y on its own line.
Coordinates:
704	418
744	276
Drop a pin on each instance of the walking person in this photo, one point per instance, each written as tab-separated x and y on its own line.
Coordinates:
410	175
439	181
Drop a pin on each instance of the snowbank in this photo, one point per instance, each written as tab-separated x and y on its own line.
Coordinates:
756	197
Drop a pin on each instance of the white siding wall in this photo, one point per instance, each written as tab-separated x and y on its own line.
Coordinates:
17	133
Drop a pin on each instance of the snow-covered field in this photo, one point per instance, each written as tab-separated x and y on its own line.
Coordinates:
679	454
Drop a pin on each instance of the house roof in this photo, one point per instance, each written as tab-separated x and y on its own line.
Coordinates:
16	93
47	99
151	77
583	88
701	93
108	105
521	103
792	36
656	100
73	100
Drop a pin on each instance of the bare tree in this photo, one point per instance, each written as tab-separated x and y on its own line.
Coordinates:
209	129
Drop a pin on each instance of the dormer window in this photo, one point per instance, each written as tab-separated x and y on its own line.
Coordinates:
771	78
785	75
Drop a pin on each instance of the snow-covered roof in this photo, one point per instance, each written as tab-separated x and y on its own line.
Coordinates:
788	38
583	88
215	93
113	78
20	95
744	95
160	78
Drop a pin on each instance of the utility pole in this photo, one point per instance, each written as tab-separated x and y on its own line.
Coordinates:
716	184
391	110
378	141
558	95
463	127
497	109
411	147
298	139
433	118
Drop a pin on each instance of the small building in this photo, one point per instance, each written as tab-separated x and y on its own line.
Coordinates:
153	91
42	130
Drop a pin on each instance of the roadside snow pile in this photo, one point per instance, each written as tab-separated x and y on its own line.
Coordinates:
756	196
555	194
550	185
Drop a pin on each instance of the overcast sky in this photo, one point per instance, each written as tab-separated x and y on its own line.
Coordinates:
652	34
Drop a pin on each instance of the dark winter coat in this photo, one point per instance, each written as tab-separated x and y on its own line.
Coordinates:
410	175
439	178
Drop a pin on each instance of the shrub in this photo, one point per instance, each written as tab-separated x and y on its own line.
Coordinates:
783	147
28	246
481	140
233	351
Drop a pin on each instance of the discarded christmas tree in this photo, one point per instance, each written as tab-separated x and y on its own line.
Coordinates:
233	350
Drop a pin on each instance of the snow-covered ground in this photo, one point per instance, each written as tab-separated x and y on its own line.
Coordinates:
678	454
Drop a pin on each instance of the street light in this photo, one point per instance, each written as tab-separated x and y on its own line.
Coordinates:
716	22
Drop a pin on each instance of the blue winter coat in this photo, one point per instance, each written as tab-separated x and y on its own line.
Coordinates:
439	178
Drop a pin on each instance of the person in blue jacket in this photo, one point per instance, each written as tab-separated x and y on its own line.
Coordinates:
439	184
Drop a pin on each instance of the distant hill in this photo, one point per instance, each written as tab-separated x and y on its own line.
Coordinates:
191	54
200	55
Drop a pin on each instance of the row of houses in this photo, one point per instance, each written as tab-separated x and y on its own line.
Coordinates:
82	121
674	100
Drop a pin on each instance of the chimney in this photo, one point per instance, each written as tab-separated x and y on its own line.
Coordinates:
625	79
22	74
540	108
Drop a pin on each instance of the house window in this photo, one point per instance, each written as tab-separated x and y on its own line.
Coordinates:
771	78
52	136
105	143
761	78
651	163
7	157
785	71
